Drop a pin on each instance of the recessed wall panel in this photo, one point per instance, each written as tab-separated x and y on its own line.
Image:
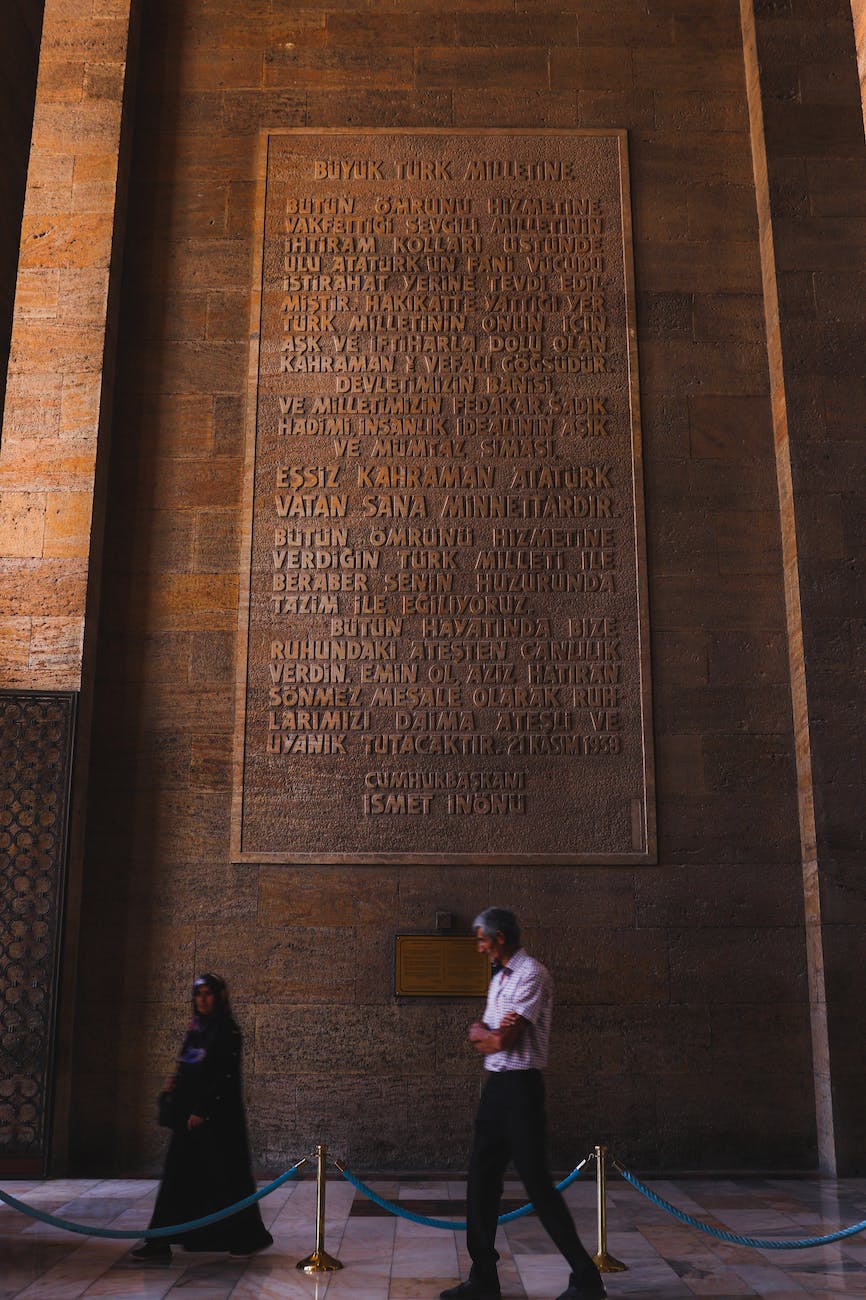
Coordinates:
442	623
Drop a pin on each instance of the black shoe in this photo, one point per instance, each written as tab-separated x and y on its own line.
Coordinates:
472	1290
590	1287
153	1249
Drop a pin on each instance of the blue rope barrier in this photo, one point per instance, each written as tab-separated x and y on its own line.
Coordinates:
734	1238
451	1225
87	1230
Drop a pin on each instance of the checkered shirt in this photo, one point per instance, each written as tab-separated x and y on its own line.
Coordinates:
524	986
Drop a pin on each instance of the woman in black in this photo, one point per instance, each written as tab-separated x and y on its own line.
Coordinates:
207	1166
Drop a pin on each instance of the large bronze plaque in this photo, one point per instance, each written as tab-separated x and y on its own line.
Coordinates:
443	624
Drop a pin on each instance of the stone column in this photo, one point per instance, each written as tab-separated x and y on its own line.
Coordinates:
859	10
810	171
52	458
20	29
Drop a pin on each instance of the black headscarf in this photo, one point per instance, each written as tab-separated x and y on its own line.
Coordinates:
218	988
201	1029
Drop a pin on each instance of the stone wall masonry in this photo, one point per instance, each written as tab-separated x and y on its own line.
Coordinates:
670	978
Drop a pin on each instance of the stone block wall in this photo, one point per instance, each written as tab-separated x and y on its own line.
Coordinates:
682	1031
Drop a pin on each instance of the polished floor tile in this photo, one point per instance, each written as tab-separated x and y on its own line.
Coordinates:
389	1258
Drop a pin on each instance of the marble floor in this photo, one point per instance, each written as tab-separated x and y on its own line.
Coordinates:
386	1258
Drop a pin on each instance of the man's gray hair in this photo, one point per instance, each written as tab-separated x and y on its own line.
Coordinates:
498	920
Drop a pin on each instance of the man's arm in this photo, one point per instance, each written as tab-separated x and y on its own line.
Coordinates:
486	1040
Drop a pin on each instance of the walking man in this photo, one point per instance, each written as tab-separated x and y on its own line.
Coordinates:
511	1121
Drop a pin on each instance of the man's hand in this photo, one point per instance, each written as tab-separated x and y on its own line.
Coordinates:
486	1041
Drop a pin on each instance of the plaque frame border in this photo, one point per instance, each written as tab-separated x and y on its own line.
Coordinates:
425	935
648	856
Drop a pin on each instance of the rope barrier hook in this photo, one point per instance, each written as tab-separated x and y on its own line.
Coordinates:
320	1261
604	1262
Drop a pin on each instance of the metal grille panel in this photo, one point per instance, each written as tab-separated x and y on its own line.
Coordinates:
36	742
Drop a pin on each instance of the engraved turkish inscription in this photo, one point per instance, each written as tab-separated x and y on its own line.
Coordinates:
444	632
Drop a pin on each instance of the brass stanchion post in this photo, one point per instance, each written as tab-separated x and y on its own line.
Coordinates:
320	1261
604	1261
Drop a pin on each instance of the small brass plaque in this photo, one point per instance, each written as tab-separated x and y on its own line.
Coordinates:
440	966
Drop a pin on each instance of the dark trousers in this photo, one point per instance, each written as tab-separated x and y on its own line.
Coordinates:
511	1124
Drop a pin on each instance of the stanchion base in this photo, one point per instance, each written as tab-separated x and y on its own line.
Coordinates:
319	1262
606	1263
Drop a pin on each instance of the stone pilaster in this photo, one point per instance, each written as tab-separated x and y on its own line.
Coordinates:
56	386
59	391
810	171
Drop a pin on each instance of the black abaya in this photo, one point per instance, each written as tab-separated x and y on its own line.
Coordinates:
208	1167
